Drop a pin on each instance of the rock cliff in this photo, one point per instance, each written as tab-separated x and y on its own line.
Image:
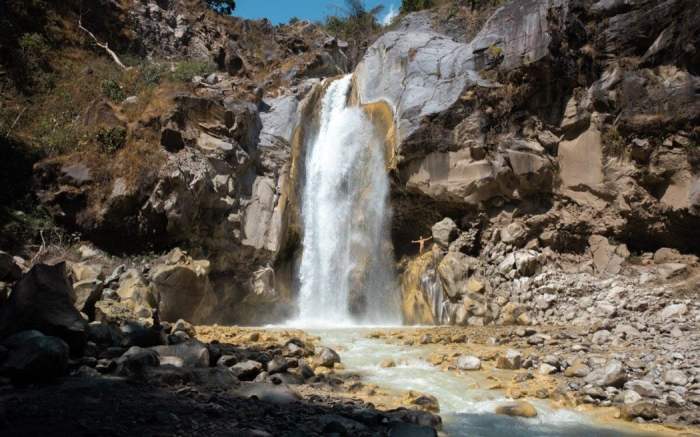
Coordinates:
530	138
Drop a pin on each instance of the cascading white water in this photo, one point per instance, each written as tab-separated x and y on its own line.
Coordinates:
347	260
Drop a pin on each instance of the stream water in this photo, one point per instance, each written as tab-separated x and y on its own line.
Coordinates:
465	410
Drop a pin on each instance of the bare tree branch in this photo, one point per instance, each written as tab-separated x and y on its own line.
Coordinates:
12	126
105	46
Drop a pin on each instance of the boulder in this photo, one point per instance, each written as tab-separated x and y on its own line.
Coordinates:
645	410
184	290
666	255
672	311
444	232
517	409
277	365
136	334
328	358
613	374
184	326
510	360
133	288
104	334
607	258
514	234
468	362
41	300
577	370
423	401
137	359
547	369
191	353
247	370
646	389
675	377
87	293
33	356
454	271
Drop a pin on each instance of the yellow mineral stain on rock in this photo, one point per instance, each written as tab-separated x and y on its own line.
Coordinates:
382	117
415	306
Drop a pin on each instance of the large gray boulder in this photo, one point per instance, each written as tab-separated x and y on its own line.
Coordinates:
42	300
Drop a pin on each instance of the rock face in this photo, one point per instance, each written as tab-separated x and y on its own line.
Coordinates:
518	144
536	156
42	301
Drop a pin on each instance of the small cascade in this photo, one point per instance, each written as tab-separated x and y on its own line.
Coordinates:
347	273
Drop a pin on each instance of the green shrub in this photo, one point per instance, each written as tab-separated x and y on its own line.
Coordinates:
34	52
415	5
151	74
111	139
112	90
185	71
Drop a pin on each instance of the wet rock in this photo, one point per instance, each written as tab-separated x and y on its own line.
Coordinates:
32	356
328	358
423	401
402	429
247	370
468	362
517	409
510	360
387	363
444	232
675	377
41	300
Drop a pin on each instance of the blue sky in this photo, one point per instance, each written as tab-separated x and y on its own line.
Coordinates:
280	11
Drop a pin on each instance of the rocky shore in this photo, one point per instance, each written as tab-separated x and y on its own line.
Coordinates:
63	372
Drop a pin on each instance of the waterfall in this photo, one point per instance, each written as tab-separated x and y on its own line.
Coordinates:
346	274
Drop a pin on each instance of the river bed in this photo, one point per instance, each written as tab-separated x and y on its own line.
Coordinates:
466	409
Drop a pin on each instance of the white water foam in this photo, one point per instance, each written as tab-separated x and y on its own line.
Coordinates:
347	273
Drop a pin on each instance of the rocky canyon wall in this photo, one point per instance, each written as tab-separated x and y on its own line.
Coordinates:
546	146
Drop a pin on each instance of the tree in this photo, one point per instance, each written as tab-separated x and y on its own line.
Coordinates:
222	6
